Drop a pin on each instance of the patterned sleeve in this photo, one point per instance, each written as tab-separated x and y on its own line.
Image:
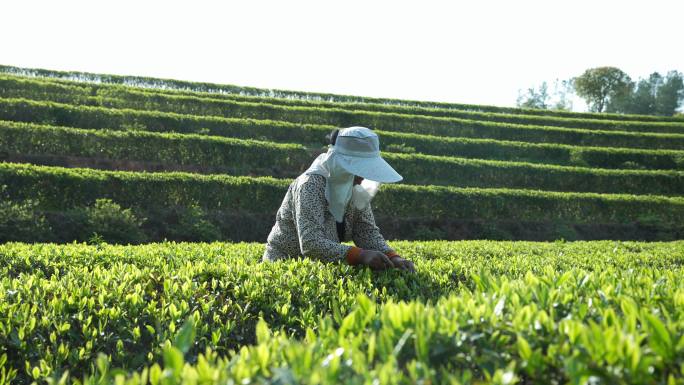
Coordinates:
366	234
309	207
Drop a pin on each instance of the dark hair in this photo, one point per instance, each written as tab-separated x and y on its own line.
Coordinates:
332	137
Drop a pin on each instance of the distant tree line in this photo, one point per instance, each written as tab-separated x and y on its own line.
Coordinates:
609	89
543	98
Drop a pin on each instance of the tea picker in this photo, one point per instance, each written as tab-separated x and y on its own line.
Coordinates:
330	203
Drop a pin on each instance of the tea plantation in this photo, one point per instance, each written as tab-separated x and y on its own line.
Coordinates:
549	245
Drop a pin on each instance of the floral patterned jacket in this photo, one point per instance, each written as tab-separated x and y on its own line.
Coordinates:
305	226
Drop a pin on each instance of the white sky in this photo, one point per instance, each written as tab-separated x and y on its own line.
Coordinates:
470	52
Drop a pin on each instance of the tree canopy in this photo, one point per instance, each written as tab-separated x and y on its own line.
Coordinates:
598	86
656	95
541	98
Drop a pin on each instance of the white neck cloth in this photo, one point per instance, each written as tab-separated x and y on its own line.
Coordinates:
339	189
338	186
356	152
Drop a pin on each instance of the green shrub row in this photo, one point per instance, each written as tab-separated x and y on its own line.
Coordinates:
22	110
472	148
208	104
99	117
208	153
602	157
476	311
461	172
39	89
121	97
243	157
322	112
547	153
157	83
334	116
106	220
58	188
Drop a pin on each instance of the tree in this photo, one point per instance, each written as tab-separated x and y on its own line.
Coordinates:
644	97
656	95
640	100
670	94
534	98
542	99
561	91
598	86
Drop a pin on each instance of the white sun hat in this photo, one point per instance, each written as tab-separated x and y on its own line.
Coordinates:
356	152
358	149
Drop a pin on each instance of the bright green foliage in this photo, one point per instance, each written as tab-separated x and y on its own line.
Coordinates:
494	311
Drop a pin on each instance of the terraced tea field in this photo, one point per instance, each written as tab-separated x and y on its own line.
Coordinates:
469	172
151	162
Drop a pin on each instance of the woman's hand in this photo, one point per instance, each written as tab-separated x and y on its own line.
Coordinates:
403	264
375	260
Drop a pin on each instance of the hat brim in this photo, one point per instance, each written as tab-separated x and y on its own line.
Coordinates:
375	169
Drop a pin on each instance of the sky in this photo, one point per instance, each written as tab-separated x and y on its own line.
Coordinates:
478	52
